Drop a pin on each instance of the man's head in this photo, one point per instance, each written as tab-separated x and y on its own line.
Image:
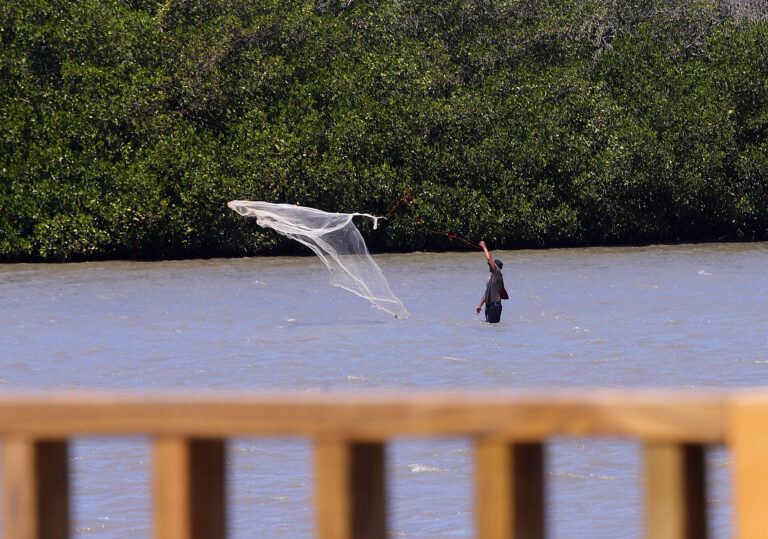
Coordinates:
498	263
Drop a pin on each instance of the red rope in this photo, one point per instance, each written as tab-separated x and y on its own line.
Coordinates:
407	199
454	236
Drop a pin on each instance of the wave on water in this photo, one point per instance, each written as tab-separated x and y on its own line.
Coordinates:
454	358
421	468
582	477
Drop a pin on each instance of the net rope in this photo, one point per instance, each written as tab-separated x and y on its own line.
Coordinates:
406	200
336	241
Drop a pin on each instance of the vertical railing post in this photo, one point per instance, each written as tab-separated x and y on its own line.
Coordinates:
748	438
189	488
35	488
676	491
510	489
350	489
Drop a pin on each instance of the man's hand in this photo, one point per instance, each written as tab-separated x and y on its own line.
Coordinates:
482	244
478	309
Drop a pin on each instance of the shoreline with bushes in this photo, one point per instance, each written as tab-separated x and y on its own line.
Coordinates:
128	124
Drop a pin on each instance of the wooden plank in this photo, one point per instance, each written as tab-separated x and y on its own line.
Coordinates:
189	488
676	491
35	488
656	416
350	489
748	438
510	489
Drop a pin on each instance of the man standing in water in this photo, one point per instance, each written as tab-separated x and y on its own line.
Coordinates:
494	289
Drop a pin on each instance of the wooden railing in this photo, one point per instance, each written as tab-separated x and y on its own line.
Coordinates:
350	432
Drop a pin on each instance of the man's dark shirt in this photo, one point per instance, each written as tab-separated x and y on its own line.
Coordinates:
493	286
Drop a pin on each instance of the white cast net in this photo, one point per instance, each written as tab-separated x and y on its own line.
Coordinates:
338	243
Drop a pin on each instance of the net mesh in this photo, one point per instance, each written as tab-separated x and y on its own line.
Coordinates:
338	243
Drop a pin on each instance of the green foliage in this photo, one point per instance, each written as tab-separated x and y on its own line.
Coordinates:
128	124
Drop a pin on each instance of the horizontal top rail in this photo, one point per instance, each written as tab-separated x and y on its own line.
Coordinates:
682	416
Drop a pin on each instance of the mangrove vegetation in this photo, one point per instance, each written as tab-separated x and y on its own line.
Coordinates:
126	125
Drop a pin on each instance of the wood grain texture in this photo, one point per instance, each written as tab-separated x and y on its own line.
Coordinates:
350	430
510	489
189	488
676	491
660	416
35	488
748	437
350	489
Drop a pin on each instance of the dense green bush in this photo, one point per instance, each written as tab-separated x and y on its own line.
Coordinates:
128	124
